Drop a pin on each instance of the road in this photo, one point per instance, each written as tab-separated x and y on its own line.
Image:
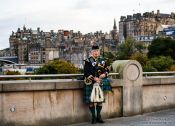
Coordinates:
160	118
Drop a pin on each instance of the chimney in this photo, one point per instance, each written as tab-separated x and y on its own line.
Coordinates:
152	12
158	12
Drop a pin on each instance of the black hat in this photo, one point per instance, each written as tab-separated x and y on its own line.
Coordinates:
94	47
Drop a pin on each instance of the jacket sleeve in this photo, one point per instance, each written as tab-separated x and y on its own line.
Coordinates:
88	69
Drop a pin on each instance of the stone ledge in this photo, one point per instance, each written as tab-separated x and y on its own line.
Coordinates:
28	87
158	81
39	85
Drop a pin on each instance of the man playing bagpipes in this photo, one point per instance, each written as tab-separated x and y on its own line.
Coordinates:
96	82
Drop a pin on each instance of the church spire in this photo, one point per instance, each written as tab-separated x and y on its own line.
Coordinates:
114	27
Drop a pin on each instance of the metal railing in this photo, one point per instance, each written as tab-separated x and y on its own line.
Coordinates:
34	76
29	77
164	73
46	76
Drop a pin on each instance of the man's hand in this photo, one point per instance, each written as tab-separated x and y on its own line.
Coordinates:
102	76
98	80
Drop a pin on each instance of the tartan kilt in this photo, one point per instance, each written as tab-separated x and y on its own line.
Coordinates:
87	93
87	89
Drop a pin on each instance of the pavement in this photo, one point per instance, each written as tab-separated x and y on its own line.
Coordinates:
160	118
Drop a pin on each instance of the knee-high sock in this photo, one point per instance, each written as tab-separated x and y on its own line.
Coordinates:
92	109
98	108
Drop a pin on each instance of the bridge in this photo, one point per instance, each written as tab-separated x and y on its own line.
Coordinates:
34	101
160	118
9	60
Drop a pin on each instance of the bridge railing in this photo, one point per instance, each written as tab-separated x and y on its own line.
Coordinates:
163	73
72	76
29	77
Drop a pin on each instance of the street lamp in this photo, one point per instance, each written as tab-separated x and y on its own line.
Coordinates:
103	39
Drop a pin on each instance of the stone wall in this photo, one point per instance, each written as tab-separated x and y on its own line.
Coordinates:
158	93
60	102
51	103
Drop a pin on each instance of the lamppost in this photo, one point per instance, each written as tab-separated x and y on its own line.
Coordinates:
103	40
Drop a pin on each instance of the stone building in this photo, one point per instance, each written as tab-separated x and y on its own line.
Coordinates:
143	27
30	46
38	47
5	52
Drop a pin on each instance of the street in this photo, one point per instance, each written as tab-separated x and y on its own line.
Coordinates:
160	118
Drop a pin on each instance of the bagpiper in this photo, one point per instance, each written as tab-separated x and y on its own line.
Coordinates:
96	82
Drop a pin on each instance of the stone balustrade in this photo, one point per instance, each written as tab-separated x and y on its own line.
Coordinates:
60	102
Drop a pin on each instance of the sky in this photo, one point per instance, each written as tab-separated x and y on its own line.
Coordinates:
78	15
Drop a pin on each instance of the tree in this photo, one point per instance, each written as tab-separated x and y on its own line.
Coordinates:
149	68
140	57
8	72
172	67
58	67
128	48
140	47
110	57
161	63
162	47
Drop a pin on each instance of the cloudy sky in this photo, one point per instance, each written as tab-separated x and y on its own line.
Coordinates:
78	15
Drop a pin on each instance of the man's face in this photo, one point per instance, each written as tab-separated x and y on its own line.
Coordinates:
95	53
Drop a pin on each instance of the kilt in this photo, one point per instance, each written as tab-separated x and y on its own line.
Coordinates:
87	89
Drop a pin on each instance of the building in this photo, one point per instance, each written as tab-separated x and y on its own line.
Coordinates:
5	52
38	47
143	27
31	46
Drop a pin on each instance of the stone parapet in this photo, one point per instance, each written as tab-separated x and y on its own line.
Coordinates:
130	72
60	101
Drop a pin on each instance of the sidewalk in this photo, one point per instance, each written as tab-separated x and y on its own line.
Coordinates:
161	118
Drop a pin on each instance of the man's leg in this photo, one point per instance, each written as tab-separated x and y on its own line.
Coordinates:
92	109
99	108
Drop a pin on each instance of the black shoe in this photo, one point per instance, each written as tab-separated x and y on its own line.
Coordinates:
93	121
100	120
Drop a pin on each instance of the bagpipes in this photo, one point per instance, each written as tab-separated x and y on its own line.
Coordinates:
88	80
97	93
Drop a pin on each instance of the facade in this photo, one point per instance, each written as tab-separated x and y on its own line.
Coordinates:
5	52
38	47
143	27
30	45
35	54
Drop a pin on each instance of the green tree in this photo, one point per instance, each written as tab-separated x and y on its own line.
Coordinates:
162	47
172	67
8	72
149	68
140	57
58	67
110	57
161	63
128	48
140	47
